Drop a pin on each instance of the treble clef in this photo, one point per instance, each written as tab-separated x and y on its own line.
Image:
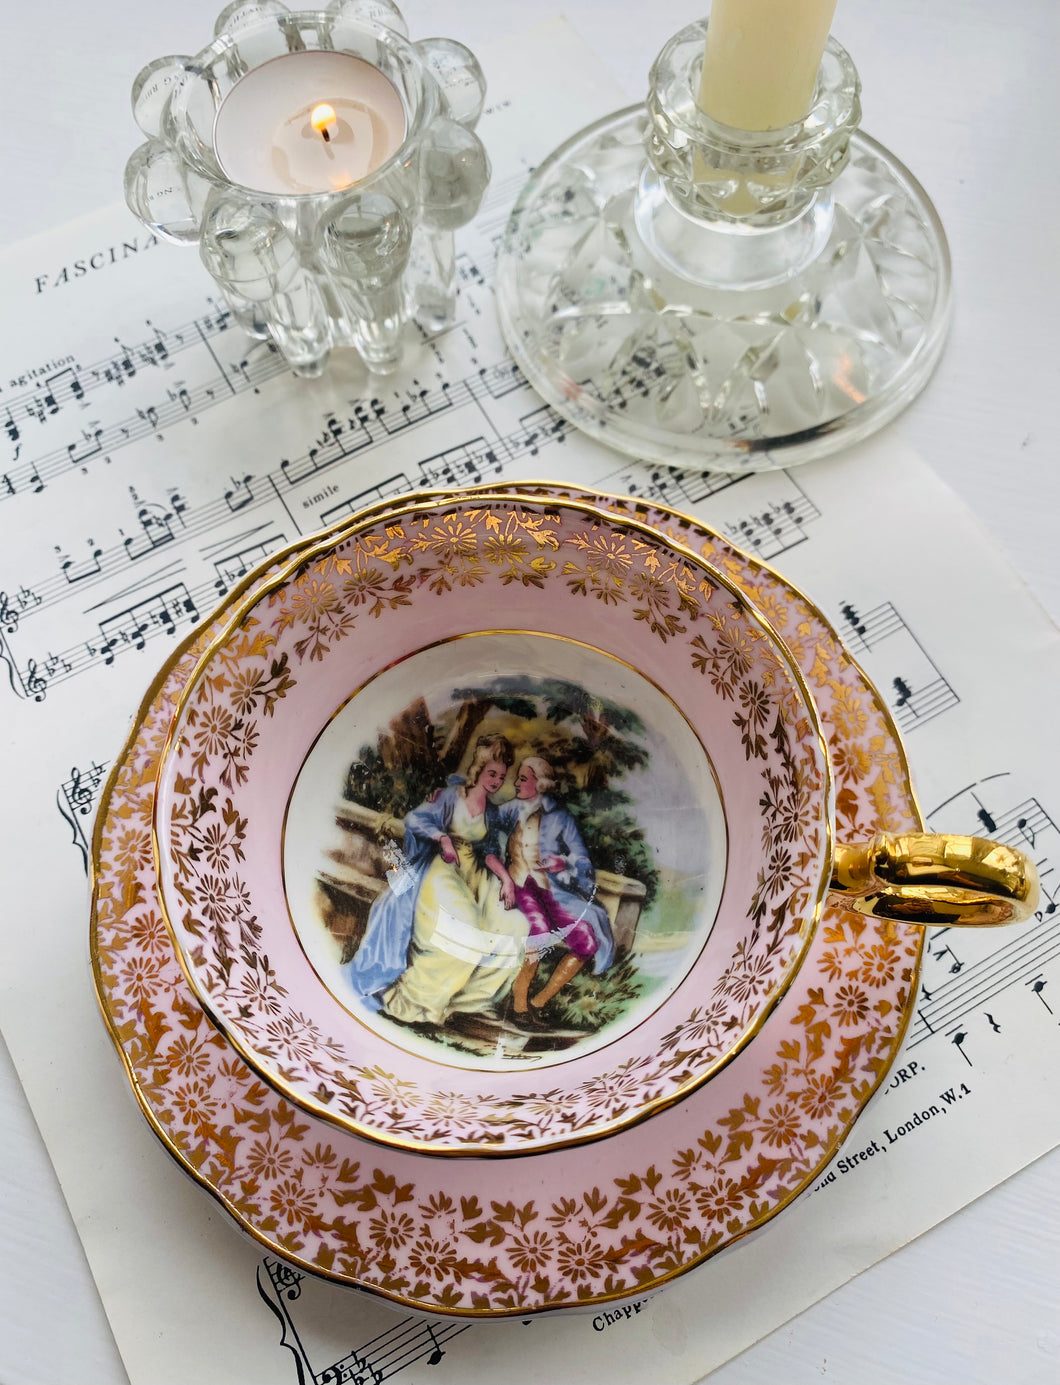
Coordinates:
8	614
36	686
80	794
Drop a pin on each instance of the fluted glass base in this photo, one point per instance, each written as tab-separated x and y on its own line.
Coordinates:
712	343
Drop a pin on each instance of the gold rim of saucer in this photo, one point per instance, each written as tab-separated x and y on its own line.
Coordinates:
826	1152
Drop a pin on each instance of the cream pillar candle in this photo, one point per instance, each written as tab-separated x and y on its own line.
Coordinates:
761	59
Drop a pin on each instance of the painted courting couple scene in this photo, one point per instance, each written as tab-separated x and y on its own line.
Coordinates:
493	876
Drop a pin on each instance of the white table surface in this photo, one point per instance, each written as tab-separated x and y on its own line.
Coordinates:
965	92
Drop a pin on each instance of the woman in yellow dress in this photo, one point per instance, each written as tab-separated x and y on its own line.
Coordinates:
466	943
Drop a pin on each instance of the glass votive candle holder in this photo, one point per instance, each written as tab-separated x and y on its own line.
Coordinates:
322	162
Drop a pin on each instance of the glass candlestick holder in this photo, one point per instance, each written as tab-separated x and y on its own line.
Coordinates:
703	296
314	258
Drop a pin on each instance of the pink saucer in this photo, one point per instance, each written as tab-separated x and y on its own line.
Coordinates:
572	1226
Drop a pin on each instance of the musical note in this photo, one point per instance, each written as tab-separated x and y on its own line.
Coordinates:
124	363
884	641
414	406
438	1351
1027	832
131	627
871	630
77	572
539	426
463	464
766	530
1037	985
776	528
166	525
156	351
240	494
957	1039
156	532
91	445
853	620
336	443
61	387
72	382
917	706
237	564
957	964
986	820
969	984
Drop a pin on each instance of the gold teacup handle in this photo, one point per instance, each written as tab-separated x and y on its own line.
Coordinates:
920	878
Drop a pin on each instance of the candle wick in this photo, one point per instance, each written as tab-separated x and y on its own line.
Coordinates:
321	118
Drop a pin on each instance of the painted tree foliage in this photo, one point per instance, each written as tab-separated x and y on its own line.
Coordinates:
591	742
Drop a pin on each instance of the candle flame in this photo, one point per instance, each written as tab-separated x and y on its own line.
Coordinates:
322	118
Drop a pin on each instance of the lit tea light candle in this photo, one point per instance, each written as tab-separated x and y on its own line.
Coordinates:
322	119
761	60
308	122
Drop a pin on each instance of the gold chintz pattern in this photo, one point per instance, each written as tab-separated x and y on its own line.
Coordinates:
423	558
422	1233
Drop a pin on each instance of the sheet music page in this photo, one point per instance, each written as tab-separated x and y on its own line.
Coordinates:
151	455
